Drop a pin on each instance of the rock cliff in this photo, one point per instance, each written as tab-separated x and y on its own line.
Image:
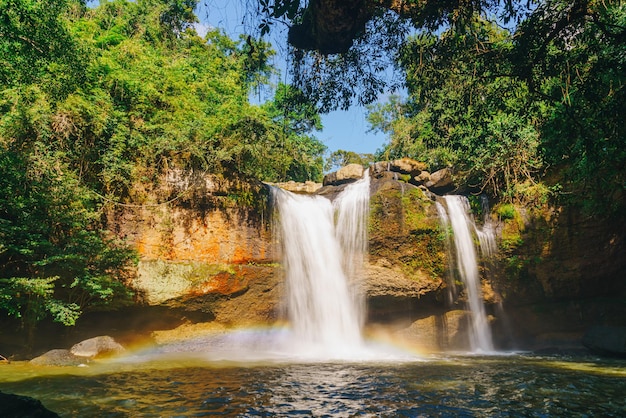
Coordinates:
561	272
210	250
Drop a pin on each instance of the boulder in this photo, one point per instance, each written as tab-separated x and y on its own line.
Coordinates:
58	357
102	346
402	166
347	174
23	407
441	180
606	340
421	178
378	168
308	187
407	166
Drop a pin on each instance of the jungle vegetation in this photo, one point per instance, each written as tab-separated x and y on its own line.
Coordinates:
94	100
520	98
508	92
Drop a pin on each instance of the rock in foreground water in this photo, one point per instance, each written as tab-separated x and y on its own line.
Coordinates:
17	406
102	346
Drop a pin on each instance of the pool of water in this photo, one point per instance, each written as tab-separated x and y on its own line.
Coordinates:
442	385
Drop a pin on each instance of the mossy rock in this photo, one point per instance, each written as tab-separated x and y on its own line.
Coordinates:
404	228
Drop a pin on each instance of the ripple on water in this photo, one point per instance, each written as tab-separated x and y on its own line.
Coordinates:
447	386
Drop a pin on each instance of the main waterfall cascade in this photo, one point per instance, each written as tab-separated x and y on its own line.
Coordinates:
322	260
459	218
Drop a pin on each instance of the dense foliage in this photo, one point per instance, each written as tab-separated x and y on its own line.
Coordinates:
506	108
505	91
462	113
342	158
94	101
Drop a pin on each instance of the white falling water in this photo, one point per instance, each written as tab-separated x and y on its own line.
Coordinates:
352	208
467	264
325	309
445	224
486	234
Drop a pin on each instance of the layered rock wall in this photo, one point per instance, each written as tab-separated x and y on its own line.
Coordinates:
210	249
560	273
207	243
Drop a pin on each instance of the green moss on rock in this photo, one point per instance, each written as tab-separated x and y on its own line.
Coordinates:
404	229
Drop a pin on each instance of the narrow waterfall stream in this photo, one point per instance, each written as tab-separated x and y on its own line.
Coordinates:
322	259
459	218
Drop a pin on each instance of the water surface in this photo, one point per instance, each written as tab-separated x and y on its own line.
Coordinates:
461	386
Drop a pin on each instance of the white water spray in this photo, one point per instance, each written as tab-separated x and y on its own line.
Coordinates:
461	222
322	261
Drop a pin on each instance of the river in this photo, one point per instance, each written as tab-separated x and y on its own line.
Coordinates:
429	386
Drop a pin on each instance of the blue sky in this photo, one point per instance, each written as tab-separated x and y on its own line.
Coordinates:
346	130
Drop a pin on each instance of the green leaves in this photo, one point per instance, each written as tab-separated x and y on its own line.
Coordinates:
463	110
571	54
101	102
32	299
54	260
36	46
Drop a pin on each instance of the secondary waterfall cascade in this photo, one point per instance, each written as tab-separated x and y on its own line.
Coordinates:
322	259
459	218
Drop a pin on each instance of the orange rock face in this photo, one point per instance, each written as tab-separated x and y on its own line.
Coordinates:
223	283
179	234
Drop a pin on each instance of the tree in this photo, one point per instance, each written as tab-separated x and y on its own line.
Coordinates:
119	95
36	45
332	26
462	112
344	51
341	158
54	259
296	118
571	55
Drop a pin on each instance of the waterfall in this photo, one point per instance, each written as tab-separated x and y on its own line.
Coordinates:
322	260
445	225
467	264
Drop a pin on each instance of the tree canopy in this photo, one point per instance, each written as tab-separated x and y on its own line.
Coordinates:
93	102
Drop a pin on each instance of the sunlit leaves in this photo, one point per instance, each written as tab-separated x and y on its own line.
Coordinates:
35	43
463	111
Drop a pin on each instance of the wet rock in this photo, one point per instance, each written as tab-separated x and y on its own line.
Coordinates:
331	192
59	357
17	406
384	281
97	347
444	331
257	303
606	340
347	174
406	255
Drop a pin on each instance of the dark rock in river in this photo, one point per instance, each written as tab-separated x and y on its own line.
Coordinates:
17	406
